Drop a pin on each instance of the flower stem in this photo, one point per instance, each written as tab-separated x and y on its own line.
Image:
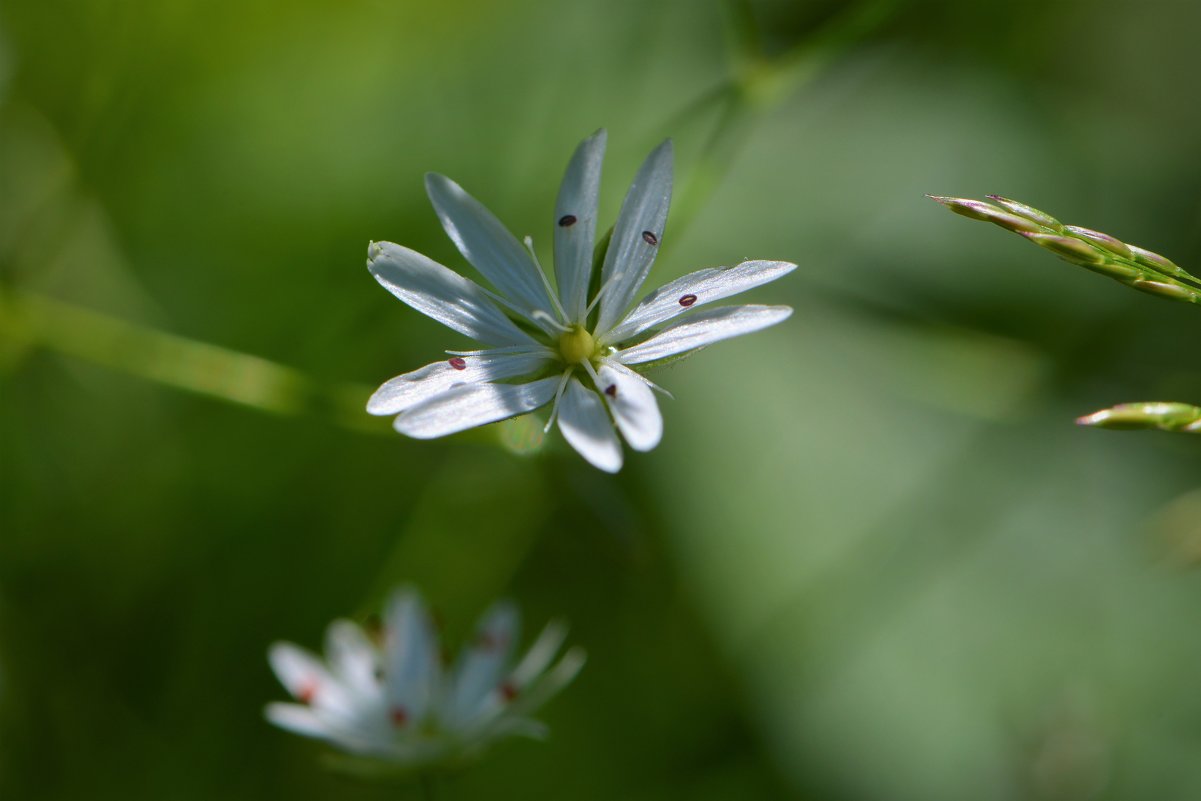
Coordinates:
30	320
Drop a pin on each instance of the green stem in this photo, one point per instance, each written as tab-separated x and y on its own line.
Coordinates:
760	84
29	320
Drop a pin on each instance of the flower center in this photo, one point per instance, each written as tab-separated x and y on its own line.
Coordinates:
577	345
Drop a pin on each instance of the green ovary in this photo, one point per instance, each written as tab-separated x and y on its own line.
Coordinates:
577	346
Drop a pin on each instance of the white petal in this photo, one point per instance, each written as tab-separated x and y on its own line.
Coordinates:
300	720
551	683
636	236
540	654
696	289
586	427
574	240
442	294
487	244
403	391
307	679
482	664
473	405
412	669
704	328
353	658
633	405
515	727
310	723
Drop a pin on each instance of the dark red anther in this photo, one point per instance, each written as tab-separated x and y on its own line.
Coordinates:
650	238
458	362
307	692
508	690
687	300
567	220
399	716
611	390
487	641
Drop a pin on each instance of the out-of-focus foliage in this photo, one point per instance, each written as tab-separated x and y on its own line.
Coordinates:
872	558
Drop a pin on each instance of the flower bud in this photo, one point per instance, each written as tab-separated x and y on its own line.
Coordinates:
1172	291
1029	212
1166	415
1155	261
1103	241
979	210
1065	247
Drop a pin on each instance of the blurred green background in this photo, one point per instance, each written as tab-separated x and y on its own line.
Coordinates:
872	559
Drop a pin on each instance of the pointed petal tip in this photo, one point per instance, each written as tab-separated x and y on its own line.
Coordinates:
437	183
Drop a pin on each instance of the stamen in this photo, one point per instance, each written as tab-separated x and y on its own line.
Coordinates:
538	314
503	301
687	300
596	382
600	293
650	238
487	641
554	409
307	691
522	349
617	365
567	220
458	362
554	296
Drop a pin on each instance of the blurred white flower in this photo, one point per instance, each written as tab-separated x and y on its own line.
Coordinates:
392	699
578	344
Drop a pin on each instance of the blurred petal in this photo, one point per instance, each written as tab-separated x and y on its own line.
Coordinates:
704	328
632	404
471	405
403	391
636	236
693	290
587	428
482	664
487	244
551	683
311	723
306	678
442	294
352	658
540	654
300	720
412	669
575	224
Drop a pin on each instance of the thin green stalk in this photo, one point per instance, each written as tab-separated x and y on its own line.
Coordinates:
29	320
757	85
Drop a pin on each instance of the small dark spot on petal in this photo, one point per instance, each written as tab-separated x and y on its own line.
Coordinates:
611	390
459	363
508	690
488	641
567	220
399	716
687	300
307	692
650	238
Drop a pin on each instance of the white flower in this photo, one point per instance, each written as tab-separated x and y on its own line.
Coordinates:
555	339
393	700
